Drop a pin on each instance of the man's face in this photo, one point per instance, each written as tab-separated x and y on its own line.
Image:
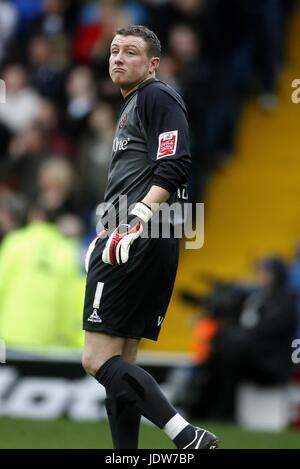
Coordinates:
129	63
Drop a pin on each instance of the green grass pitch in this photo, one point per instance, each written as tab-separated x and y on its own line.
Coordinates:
62	433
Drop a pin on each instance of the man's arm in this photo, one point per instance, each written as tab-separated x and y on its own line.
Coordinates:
163	117
156	195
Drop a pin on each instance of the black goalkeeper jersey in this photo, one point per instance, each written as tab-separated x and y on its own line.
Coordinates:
151	144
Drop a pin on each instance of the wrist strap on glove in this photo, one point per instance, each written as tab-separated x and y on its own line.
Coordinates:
142	211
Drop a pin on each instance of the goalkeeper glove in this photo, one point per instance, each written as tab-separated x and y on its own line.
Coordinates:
117	247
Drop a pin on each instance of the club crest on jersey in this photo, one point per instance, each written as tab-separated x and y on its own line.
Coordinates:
167	144
123	121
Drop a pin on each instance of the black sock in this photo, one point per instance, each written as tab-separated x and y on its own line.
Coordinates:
124	421
133	384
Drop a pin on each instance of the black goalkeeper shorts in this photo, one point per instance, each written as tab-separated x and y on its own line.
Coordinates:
130	300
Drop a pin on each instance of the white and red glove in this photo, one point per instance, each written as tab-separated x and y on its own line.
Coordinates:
117	247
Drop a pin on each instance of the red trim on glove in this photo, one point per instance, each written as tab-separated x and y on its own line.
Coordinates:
117	237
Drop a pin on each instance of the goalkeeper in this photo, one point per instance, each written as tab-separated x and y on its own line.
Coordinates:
130	278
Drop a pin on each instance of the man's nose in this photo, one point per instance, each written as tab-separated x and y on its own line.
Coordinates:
119	58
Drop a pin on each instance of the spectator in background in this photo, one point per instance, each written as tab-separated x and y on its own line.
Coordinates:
21	99
42	266
94	154
191	13
47	73
56	185
163	15
169	70
81	98
13	212
258	348
184	45
19	167
244	334
57	17
28	11
48	119
219	310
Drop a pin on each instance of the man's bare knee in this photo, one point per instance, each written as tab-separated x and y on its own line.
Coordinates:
98	349
88	365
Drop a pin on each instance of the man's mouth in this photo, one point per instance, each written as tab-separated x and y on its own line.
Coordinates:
118	70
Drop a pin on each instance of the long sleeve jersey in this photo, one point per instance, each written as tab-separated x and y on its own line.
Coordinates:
151	144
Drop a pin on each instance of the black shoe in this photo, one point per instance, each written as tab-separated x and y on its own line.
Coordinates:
203	440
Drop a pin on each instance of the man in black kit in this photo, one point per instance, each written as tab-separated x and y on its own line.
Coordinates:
131	277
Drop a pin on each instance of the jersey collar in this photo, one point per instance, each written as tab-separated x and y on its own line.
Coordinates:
139	87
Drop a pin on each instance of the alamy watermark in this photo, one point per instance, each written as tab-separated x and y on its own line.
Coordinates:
181	220
296	352
2	351
295	96
2	92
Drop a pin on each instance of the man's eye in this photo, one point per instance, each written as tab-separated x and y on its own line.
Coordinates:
130	52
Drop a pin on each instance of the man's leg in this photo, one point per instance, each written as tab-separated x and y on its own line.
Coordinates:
124	417
102	359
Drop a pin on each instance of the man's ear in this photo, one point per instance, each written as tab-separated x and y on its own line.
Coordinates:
154	64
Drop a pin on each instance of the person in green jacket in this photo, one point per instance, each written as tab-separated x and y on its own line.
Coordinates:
41	287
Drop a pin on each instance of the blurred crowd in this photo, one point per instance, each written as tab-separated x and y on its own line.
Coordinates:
57	125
